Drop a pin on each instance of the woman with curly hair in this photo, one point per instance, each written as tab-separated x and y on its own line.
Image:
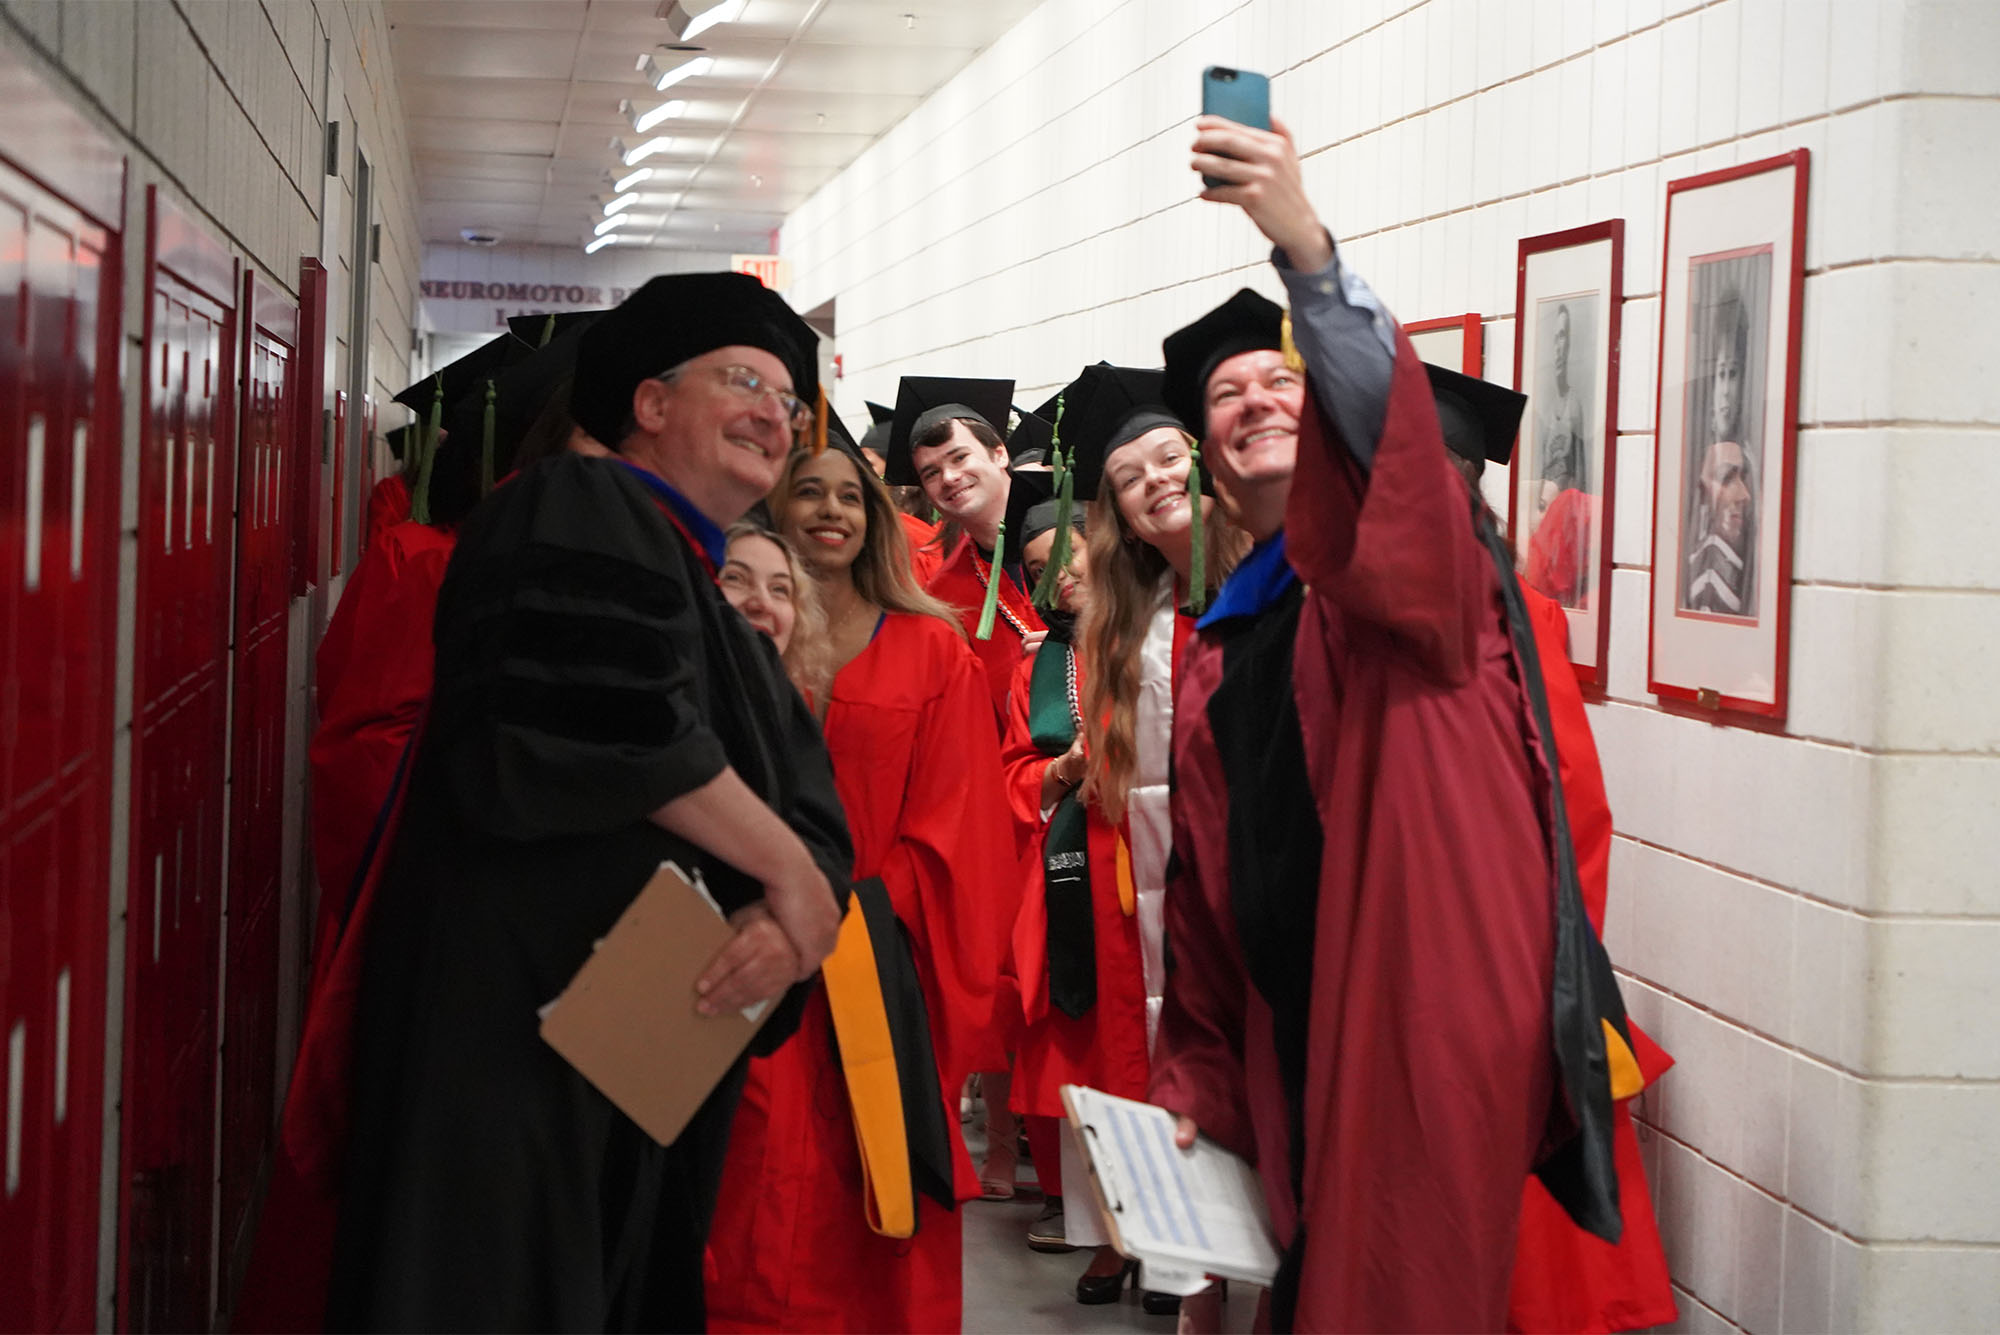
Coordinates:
763	578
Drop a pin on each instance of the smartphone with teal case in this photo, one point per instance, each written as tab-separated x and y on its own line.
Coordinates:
1243	96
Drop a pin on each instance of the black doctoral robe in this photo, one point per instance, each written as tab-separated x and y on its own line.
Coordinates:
588	671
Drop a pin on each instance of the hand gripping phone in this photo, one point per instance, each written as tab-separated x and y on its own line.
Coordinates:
1242	96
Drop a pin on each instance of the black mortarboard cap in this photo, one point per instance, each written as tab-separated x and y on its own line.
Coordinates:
876	437
1244	323
488	359
924	400
1031	436
1026	492
1108	406
522	390
1479	419
535	329
401	439
675	317
838	437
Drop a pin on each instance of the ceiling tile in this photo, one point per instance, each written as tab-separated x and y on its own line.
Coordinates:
513	105
483	134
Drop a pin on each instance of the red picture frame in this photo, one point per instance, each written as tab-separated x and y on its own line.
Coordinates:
1472	353
1728	662
1571	273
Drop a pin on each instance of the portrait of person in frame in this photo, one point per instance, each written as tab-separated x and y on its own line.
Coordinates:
1568	413
1729	303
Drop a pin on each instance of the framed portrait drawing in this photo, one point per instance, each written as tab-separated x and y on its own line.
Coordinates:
1730	310
1567	298
1454	342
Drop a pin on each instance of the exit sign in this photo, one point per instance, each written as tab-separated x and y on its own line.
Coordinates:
769	270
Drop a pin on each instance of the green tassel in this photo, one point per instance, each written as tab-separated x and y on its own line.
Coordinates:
1059	554
486	444
420	494
1198	562
548	330
994	574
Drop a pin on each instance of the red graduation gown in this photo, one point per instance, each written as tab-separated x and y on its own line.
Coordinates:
1105	1047
1428	1070
918	770
925	555
374	671
388	506
374	677
961	581
1566	1279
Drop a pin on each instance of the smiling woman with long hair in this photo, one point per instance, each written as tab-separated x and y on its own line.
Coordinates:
1090	722
907	715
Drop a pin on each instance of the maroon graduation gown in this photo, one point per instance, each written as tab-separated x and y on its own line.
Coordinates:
918	772
1395	1126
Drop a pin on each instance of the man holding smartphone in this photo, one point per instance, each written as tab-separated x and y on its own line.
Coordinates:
1356	751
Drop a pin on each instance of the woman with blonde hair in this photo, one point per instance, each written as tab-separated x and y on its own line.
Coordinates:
764	579
1091	721
907	713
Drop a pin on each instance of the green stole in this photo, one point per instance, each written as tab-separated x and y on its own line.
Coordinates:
1053	712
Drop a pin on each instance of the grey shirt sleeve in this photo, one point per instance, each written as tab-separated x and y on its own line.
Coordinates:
1348	342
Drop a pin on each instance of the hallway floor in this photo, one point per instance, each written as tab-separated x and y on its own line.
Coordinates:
1010	1289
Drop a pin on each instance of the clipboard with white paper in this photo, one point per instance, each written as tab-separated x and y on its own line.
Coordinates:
1183	1214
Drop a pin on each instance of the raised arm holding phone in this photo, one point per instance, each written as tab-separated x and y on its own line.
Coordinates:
1366	920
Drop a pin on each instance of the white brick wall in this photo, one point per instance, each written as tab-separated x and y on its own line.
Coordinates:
1809	920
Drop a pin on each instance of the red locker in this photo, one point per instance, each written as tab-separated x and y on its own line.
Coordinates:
308	433
173	922
267	474
61	191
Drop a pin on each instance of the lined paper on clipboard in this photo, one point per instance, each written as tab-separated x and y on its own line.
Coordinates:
1184	1214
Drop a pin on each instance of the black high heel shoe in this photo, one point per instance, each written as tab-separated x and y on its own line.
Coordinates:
1097	1290
1155	1303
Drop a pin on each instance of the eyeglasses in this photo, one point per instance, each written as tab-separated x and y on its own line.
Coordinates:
751	385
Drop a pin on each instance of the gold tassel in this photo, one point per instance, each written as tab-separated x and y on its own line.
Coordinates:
1293	362
1198	560
819	424
548	330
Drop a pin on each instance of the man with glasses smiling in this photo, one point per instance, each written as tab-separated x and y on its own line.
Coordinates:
1375	924
599	709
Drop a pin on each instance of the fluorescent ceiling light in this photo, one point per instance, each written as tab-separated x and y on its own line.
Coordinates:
620	204
687	19
644	121
627	182
615	221
663	79
645	150
598	244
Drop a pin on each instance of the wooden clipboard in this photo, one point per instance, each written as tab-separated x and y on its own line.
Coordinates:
627	1021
